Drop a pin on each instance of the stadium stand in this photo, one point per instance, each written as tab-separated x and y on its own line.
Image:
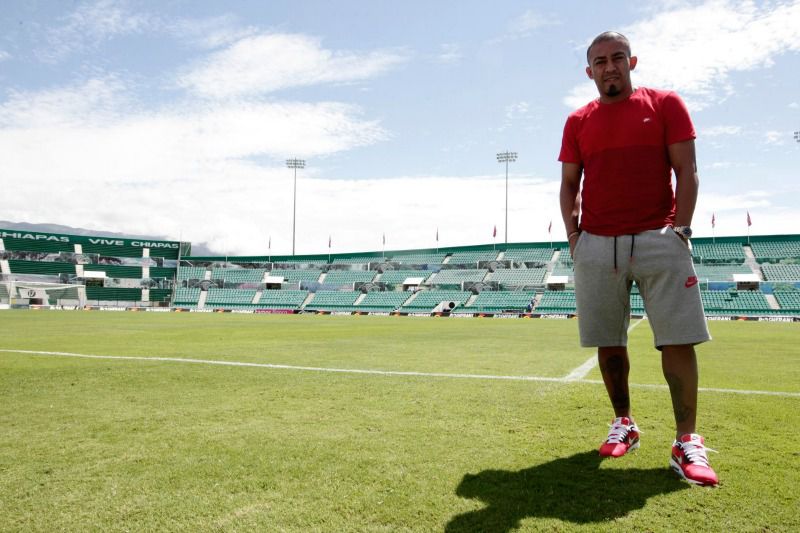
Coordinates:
297	275
774	251
162	272
185	273
238	275
499	301
471	257
510	278
223	298
394	277
556	302
282	299
721	252
781	272
564	258
719	272
134	270
454	278
187	296
358	260
529	255
346	278
419	258
333	301
735	302
789	300
385	301
426	300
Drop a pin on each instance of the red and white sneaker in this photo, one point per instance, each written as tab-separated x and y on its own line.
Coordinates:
689	460
623	437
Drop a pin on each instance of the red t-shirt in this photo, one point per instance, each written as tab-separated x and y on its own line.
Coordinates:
622	147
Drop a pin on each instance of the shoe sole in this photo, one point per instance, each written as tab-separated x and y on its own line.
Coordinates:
678	470
632	447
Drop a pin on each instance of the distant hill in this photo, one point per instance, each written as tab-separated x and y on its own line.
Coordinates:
200	249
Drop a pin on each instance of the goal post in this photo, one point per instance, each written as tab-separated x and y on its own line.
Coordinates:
16	292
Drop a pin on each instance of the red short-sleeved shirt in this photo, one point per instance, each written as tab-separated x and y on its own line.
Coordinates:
622	147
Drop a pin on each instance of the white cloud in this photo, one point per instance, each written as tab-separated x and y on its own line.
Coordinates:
716	131
449	53
213	32
189	172
775	137
4	56
694	48
187	167
524	25
520	113
529	22
92	23
794	105
719	164
269	62
730	211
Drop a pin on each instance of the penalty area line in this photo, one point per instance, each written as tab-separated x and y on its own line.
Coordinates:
376	372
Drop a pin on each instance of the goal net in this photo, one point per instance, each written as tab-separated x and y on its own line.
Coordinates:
42	293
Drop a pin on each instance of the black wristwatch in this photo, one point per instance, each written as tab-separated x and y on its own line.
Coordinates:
684	232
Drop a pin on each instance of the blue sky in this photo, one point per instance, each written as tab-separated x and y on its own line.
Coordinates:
175	118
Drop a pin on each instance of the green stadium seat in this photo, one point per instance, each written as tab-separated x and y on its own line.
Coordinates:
346	278
511	278
775	251
498	301
426	300
332	301
723	252
282	299
471	257
382	301
529	255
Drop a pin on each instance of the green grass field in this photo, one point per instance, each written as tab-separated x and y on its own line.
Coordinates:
145	445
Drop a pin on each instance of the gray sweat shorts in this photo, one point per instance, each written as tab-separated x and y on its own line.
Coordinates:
660	263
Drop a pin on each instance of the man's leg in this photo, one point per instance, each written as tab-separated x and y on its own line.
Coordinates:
624	435
679	363
689	458
615	367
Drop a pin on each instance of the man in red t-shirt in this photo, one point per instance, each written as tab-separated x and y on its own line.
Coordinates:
624	147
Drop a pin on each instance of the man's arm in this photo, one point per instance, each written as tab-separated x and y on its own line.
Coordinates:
683	162
570	200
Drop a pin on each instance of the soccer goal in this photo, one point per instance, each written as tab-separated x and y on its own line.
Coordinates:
17	292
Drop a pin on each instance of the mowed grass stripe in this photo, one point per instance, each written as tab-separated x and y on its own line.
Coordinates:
566	379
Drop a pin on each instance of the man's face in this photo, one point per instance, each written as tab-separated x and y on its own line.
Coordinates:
610	68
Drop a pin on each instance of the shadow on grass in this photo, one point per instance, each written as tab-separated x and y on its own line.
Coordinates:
573	489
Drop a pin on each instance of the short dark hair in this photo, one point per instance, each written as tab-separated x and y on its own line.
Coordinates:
609	36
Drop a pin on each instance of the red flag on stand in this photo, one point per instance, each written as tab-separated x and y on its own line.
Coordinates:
550	227
494	232
749	221
713	220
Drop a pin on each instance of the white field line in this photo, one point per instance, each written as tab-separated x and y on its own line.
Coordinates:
583	370
378	372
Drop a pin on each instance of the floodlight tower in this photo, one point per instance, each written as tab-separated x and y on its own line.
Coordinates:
295	164
506	157
797	136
